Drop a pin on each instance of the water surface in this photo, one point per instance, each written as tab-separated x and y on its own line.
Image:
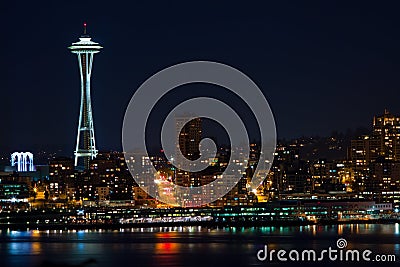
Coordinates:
187	246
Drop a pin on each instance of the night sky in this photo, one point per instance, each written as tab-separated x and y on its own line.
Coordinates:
322	66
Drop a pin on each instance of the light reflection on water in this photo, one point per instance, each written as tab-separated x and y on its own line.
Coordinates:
184	246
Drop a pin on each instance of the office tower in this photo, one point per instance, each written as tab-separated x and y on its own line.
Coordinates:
189	137
386	131
188	140
375	160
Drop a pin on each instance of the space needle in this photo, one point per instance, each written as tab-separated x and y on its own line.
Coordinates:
85	142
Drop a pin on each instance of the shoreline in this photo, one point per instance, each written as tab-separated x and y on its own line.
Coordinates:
209	224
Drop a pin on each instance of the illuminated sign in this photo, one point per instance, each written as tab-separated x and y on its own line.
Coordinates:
23	161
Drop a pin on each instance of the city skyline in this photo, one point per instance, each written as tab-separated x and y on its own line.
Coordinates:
369	174
212	133
58	151
299	83
349	161
190	136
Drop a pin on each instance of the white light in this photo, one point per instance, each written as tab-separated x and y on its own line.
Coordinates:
23	161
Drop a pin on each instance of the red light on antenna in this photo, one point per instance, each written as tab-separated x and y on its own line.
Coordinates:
84	28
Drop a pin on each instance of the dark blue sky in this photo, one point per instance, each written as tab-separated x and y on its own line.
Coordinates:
322	66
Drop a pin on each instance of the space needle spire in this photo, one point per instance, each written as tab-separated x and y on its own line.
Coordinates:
85	142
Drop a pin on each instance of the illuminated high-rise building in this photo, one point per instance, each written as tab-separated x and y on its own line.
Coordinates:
188	132
189	136
85	142
386	130
375	160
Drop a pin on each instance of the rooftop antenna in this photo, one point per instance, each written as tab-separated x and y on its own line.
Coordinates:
84	28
